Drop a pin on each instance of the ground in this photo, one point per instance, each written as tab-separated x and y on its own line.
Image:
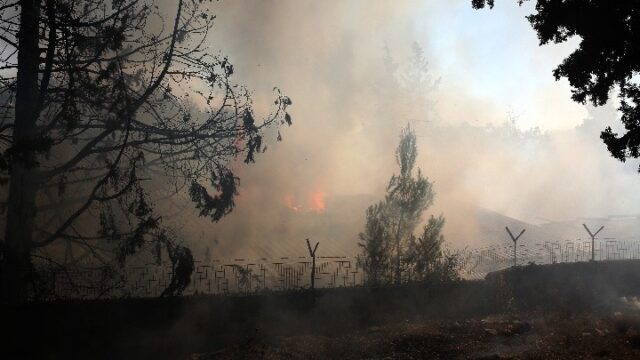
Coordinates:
559	311
530	336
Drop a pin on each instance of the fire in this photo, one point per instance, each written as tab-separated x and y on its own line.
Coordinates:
317	201
314	204
288	201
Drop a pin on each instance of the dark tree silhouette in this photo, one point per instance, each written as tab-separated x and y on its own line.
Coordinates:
98	100
182	267
607	57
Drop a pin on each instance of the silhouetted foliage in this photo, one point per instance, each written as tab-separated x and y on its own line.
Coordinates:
607	57
102	102
182	267
218	205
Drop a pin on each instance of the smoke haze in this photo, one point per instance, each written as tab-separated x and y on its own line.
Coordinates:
496	133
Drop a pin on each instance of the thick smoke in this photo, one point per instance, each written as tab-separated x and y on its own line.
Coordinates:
358	72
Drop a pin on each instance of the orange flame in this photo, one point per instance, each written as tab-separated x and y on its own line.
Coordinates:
317	201
288	201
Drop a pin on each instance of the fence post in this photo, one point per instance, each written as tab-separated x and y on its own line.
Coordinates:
312	253
515	243
593	240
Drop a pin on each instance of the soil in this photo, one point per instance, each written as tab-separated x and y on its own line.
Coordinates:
530	336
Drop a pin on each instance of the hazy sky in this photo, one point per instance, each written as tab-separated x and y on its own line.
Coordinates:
492	58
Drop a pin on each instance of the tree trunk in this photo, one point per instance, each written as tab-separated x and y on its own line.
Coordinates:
16	265
398	233
16	262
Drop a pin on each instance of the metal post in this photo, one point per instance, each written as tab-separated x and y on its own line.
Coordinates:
593	240
515	243
312	253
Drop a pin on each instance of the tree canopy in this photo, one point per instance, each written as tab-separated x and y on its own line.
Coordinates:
99	102
607	58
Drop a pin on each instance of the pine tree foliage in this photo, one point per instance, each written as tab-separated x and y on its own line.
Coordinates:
390	252
375	245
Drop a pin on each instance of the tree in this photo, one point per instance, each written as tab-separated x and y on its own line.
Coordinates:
388	234
407	198
416	77
182	268
607	57
375	243
101	102
426	250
